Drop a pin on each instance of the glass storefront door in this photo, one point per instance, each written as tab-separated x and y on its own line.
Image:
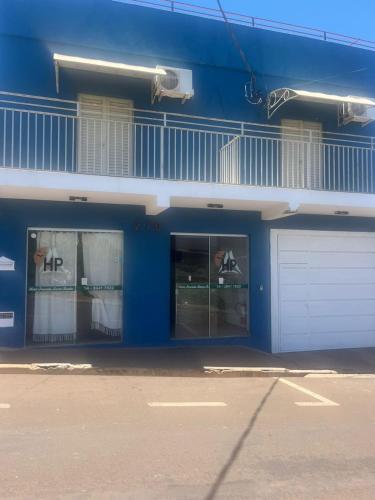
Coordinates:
74	286
210	286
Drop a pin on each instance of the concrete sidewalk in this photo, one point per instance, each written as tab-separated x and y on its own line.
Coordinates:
187	361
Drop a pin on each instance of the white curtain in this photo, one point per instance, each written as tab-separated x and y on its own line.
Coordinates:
102	262
55	310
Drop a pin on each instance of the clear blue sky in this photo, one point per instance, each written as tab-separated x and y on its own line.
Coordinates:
349	17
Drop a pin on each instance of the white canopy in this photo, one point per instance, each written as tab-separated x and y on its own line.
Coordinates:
304	95
99	66
278	97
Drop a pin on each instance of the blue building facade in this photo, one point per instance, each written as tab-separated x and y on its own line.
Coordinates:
222	226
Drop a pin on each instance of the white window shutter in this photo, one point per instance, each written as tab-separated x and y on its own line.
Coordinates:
315	155
105	136
91	135
301	154
120	117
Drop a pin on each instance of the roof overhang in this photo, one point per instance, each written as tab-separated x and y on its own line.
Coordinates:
100	66
157	195
278	97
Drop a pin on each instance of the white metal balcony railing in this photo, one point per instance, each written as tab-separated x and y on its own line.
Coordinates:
51	135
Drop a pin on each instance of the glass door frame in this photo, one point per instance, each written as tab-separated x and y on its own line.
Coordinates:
75	230
173	283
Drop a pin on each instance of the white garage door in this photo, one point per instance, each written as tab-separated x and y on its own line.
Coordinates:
323	290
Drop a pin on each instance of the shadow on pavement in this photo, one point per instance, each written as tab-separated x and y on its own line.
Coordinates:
238	447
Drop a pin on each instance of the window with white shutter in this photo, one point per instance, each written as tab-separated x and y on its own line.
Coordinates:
301	154
105	136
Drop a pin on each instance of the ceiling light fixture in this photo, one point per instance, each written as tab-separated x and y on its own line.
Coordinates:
341	212
77	198
215	205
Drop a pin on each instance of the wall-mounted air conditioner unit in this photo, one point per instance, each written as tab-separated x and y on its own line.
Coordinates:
356	113
176	83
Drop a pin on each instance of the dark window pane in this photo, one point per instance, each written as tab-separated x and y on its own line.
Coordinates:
191	276
210	284
228	286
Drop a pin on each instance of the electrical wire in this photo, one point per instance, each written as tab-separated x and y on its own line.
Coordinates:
331	77
252	95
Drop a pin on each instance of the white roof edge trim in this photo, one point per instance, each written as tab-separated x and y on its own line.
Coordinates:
65	60
277	97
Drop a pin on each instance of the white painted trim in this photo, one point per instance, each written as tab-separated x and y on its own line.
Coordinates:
280	211
57	186
25	288
275	338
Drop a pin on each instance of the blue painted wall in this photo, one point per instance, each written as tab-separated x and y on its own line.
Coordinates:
140	35
111	30
105	29
147	260
146	263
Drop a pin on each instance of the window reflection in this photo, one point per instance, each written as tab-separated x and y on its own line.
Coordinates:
210	282
228	286
190	255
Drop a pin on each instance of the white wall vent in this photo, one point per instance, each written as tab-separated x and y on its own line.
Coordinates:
6	264
356	113
6	319
177	83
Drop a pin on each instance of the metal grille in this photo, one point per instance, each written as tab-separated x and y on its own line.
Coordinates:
46	134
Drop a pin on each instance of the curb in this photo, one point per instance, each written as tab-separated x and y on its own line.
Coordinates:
263	372
205	371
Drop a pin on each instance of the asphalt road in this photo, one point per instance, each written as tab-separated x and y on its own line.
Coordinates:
71	436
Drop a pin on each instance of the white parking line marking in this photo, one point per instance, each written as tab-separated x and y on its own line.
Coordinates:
4	406
188	404
322	400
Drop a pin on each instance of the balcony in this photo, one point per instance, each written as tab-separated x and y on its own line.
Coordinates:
52	135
